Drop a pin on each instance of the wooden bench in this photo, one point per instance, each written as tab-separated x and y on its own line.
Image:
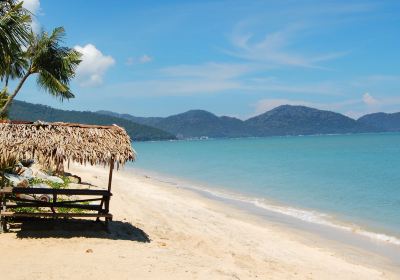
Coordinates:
10	199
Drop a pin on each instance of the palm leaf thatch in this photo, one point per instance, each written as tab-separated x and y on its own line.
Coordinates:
53	144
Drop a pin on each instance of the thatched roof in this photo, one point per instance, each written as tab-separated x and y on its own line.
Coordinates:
55	143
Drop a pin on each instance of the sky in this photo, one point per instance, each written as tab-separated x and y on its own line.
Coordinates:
234	58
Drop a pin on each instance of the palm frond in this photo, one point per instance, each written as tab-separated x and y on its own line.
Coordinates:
14	31
54	63
52	85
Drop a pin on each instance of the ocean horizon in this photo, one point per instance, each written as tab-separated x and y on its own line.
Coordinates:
348	182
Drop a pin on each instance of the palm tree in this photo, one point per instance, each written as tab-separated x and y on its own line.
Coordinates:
54	65
14	34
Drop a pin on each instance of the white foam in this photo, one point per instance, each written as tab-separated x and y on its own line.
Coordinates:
301	214
326	220
304	215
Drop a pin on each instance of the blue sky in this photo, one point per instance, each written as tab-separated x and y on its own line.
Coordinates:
235	58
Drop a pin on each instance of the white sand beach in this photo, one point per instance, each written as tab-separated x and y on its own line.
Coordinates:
164	232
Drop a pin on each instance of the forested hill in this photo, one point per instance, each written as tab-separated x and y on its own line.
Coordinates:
32	112
282	120
388	122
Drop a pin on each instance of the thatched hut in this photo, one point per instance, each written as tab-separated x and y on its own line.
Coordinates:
53	144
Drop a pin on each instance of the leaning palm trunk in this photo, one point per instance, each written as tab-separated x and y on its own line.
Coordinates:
11	98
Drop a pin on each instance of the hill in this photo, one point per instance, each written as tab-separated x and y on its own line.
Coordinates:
283	120
301	120
387	122
194	123
151	121
31	112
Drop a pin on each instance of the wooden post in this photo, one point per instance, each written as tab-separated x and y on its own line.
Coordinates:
111	173
107	200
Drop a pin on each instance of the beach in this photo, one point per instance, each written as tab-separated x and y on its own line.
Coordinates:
161	231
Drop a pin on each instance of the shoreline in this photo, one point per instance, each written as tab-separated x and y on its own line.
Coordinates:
270	136
263	206
348	243
191	237
340	237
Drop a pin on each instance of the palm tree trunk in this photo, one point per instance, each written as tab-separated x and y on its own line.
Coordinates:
11	98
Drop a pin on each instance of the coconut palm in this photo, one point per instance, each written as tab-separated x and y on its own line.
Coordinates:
14	34
53	65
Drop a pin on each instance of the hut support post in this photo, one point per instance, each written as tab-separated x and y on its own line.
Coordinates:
110	174
107	202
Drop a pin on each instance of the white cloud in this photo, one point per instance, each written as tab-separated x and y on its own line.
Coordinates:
274	85
213	77
34	7
274	48
94	65
184	79
375	80
130	61
210	70
140	60
173	87
369	99
145	59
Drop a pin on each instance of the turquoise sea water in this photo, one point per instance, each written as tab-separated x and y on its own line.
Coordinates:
348	181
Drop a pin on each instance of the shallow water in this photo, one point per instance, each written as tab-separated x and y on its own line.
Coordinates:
350	182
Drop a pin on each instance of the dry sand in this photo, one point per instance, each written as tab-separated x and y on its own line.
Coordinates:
164	232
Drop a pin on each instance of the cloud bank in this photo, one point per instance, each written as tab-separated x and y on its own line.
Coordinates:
93	67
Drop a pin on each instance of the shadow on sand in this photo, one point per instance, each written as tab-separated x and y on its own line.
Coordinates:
49	228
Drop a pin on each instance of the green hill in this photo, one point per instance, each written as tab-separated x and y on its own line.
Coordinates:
32	112
283	120
301	120
193	123
388	122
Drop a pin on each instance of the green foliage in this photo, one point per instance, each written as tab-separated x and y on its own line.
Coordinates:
36	181
15	29
54	64
3	99
26	210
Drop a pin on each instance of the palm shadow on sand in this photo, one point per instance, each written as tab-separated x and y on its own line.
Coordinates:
49	228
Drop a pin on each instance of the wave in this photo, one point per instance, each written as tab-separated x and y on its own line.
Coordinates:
309	216
326	220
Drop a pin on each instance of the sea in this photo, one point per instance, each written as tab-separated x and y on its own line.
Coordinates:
349	183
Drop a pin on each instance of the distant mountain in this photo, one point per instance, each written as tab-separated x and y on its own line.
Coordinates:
151	121
301	120
194	123
197	123
31	112
387	122
283	120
